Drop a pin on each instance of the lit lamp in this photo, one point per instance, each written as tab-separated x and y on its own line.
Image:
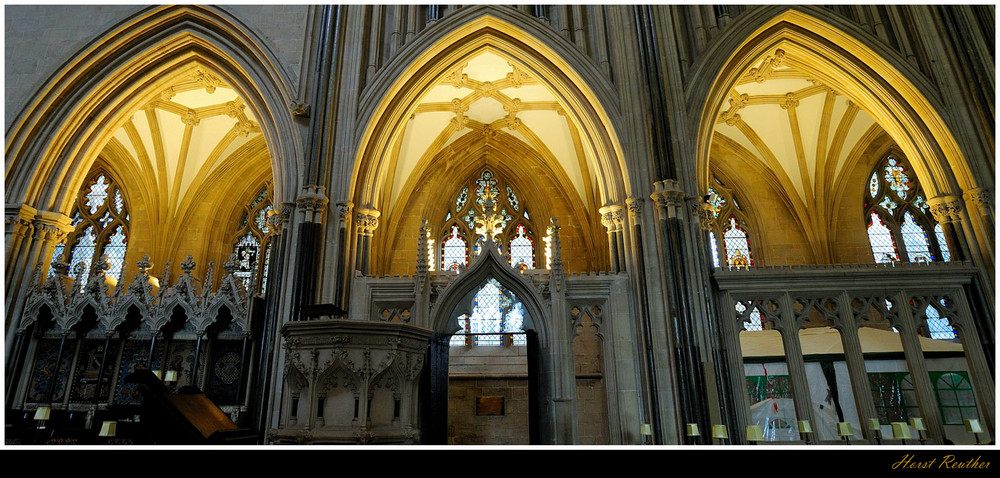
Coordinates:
42	416
646	431
918	425
805	429
901	431
171	376
108	429
692	432
720	432
844	429
972	426
755	434
876	429
158	374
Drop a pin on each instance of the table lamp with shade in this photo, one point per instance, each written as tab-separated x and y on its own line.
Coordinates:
720	432
845	430
901	431
918	425
693	432
805	429
972	426
755	434
646	431
876	429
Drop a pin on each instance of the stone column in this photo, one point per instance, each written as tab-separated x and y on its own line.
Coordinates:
613	218
691	387
32	251
947	211
366	224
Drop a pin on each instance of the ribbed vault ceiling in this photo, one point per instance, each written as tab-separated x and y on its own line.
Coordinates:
800	129
188	129
492	96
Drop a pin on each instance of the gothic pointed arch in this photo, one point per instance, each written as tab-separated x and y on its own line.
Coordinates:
847	89
49	148
595	161
490	265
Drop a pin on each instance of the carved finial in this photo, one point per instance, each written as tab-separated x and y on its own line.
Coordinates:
144	264
188	265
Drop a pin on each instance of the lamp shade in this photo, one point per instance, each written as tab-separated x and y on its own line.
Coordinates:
755	433
158	374
171	376
844	429
900	430
42	413
646	430
805	427
873	424
972	425
692	430
108	429
719	431
917	424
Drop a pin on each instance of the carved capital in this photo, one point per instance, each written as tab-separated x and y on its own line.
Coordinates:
612	217
312	203
634	207
946	209
367	221
51	226
277	218
17	220
706	216
669	197
980	199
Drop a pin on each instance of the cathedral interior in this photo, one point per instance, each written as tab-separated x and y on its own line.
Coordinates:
499	225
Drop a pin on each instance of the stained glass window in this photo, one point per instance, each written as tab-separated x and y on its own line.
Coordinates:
522	250
252	244
940	328
463	238
728	236
915	240
737	246
883	244
100	229
454	251
497	318
899	229
714	247
942	242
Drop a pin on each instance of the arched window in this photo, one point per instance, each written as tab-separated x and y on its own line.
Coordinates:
900	226
100	221
497	318
728	238
252	243
522	250
454	250
513	227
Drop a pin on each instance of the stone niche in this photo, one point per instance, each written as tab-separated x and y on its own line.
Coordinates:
351	382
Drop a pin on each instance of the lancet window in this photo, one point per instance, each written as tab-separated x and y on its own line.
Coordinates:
101	229
898	220
729	237
488	204
252	243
